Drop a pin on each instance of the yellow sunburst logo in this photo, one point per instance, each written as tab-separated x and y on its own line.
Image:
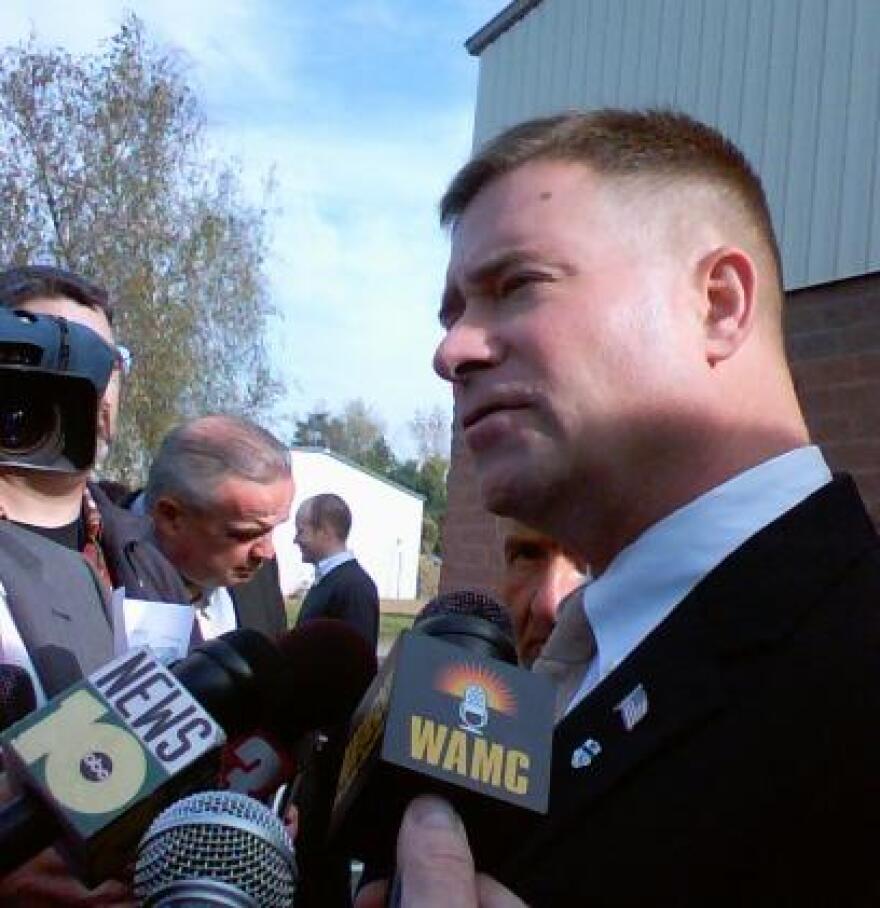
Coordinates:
455	679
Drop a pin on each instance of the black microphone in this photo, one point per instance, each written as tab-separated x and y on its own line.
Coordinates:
215	848
328	667
96	763
449	713
17	695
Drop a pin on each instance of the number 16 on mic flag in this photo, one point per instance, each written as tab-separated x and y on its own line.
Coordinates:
102	756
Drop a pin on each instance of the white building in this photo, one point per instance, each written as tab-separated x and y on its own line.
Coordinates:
386	525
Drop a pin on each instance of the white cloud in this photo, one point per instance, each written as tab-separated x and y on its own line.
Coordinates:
358	258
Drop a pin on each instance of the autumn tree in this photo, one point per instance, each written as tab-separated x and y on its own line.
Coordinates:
104	170
430	430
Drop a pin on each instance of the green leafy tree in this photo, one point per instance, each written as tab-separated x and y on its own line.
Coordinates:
358	434
103	170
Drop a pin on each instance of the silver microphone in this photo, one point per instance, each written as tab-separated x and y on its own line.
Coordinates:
216	848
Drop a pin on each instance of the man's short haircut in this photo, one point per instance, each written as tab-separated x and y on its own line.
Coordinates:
329	510
30	282
661	145
196	457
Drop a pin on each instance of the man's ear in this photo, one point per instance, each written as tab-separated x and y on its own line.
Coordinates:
729	287
167	515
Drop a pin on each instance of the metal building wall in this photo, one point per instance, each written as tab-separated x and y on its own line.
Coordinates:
795	83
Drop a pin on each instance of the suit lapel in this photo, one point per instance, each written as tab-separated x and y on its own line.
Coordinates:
58	607
688	669
670	685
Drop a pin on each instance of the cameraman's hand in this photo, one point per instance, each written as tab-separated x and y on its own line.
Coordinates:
434	861
46	882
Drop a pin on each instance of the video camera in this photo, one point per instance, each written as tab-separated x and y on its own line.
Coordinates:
52	375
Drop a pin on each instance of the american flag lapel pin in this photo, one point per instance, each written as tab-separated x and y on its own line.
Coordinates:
633	707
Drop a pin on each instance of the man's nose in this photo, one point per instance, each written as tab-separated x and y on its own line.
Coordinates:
467	347
559	579
264	548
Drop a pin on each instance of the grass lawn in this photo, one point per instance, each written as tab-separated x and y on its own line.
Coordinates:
395	615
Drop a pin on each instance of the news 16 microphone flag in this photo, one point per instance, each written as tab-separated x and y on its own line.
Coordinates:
107	746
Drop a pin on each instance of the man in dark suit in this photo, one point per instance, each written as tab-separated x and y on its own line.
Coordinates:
218	487
613	317
342	588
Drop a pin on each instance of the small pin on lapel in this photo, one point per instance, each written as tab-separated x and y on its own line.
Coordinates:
585	753
633	707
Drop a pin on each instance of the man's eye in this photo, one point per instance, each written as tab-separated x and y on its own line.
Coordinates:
517	281
243	535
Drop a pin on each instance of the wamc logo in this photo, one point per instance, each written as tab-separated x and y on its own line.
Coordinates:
480	691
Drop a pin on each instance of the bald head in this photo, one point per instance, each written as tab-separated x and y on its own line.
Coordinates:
197	456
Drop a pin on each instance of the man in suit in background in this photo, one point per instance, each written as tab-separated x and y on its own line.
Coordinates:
613	318
342	588
218	487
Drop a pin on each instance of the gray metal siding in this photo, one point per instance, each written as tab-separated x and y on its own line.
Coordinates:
796	83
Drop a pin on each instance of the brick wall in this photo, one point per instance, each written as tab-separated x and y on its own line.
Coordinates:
833	334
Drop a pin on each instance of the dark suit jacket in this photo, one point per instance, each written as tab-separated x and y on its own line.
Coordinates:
133	559
259	604
754	777
349	594
58	605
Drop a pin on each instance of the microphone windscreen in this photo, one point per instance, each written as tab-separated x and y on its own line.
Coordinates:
470	602
329	666
471	619
216	848
17	695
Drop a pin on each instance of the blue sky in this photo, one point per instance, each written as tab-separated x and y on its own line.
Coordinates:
364	108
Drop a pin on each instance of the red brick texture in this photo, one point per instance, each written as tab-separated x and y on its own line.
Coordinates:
833	338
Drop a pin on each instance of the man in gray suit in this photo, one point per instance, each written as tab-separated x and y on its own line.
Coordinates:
218	487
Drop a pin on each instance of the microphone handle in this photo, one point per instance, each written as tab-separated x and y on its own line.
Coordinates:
26	828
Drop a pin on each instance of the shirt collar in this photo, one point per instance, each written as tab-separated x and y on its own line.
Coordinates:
646	580
325	565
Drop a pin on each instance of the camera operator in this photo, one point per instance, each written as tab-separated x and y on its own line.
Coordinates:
64	506
63	545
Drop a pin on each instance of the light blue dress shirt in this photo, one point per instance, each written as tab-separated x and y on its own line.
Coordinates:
325	565
648	578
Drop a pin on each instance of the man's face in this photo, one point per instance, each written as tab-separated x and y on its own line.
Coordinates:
108	406
569	339
312	540
225	545
538	575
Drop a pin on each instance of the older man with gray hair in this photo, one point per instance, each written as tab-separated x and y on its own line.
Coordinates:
217	489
